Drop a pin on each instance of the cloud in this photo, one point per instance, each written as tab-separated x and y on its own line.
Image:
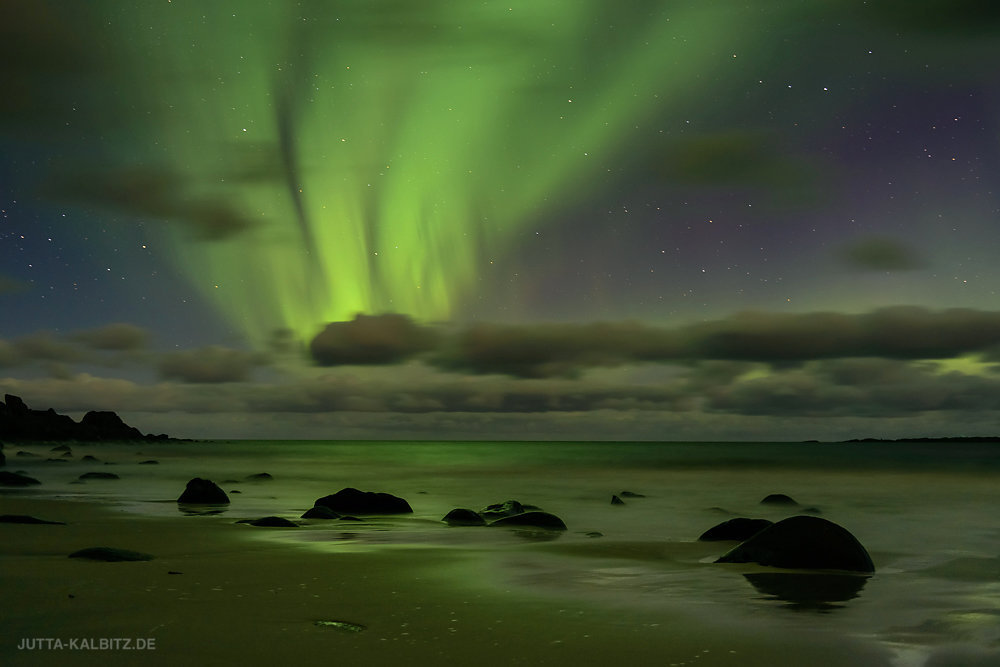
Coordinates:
881	254
371	339
118	336
210	364
154	192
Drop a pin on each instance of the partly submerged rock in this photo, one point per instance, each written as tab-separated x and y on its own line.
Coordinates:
203	492
24	518
615	500
500	510
260	477
463	517
533	519
630	494
352	501
803	542
738	529
320	512
110	554
98	475
8	478
271	522
779	499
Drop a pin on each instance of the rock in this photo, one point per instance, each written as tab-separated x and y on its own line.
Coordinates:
3	459
352	501
532	519
320	512
24	518
26	455
615	500
272	522
738	529
803	542
260	477
89	458
629	494
98	475
203	492
61	448
149	462
463	517
779	499
110	554
16	479
501	510
106	425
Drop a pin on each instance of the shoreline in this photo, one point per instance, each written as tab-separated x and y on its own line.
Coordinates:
240	599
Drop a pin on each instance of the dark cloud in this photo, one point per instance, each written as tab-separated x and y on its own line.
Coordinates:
881	254
152	192
566	350
371	339
210	365
119	336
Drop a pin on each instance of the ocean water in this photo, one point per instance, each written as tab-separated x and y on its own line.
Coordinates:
926	512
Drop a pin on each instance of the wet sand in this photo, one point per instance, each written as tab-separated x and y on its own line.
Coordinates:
224	593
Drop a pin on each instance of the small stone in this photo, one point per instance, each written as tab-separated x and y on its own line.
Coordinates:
110	554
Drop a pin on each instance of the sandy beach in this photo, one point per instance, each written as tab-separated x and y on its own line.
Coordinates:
216	593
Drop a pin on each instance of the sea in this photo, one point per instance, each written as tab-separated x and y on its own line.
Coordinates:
927	513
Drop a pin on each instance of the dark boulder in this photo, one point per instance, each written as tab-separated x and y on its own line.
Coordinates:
352	501
260	477
630	494
61	448
738	529
106	425
320	512
272	522
615	500
110	554
90	458
203	492
98	475
803	542
531	519
24	518
27	455
500	510
149	462
779	499
463	517
16	479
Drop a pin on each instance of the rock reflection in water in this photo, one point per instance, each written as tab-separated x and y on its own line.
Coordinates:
809	591
194	509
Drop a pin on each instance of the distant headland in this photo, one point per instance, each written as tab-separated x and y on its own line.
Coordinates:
19	422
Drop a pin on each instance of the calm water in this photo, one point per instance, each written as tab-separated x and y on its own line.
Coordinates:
927	513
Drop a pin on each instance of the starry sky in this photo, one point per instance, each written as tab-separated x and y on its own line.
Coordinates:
542	219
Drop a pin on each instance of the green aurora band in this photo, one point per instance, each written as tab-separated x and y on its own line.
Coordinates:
385	151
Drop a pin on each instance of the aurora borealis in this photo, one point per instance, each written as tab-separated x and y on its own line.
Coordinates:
555	218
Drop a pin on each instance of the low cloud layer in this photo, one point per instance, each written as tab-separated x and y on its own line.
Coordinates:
565	350
891	372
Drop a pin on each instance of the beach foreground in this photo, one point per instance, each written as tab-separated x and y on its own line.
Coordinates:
640	589
216	594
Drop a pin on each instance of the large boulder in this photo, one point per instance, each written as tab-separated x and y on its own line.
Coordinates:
803	542
738	529
98	475
352	501
203	492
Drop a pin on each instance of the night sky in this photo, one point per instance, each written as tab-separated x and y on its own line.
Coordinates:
544	219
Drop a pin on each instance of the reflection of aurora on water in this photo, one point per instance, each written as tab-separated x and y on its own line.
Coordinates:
368	157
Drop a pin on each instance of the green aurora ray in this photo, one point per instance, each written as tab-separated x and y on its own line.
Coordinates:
384	152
